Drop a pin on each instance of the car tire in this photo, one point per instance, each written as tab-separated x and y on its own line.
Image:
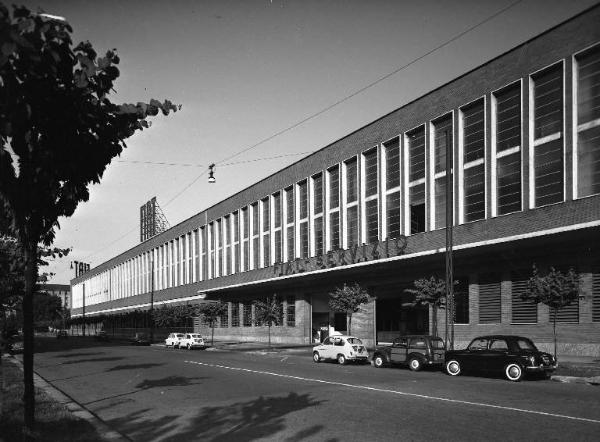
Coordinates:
316	357
453	367
415	364
513	372
378	361
341	359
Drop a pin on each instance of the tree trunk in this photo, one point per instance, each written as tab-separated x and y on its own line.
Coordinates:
212	337
554	330
30	255
349	323
269	334
434	320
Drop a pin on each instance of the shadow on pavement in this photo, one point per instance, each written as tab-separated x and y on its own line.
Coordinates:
133	366
242	421
75	355
107	359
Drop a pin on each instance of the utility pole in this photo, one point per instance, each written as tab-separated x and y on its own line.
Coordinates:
83	310
449	240
151	297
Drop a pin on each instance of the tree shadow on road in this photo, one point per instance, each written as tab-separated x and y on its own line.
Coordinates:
133	366
242	421
80	361
76	355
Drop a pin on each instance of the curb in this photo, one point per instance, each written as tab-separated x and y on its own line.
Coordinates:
76	409
594	380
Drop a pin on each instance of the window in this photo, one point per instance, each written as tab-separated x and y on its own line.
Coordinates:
219	233
290	312
227	234
442	146
499	345
569	313
333	195
245	220
289	245
255	238
392	188
247	314
266	229
479	344
371	197
235	314
235	218
461	301
317	185
506	114
548	174
351	200
196	239
596	296
587	146
523	311
303	218
224	319
489	300
277	227
415	151
473	161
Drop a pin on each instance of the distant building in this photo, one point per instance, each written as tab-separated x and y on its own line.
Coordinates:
63	291
524	133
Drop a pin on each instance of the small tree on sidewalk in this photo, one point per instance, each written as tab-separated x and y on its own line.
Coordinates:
430	291
556	290
348	299
269	312
212	311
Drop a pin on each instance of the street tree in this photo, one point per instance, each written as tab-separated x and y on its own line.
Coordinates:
211	312
431	292
58	133
46	309
349	300
270	312
555	289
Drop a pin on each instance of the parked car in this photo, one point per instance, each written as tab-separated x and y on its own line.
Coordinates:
192	340
416	351
62	334
101	336
341	348
140	339
512	356
174	339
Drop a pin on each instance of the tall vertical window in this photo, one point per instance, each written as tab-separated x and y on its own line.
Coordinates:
587	147
277	227
392	188
415	151
547	112
247	313
317	213
177	266
290	311
490	307
184	258
245	239
442	146
303	218
523	311
219	234
473	161
204	255
211	245
235	218
255	236
333	207
351	215
371	197
227	235
290	249
506	115
461	301
266	229
235	314
196	269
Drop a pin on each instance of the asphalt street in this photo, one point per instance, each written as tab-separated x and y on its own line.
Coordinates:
156	393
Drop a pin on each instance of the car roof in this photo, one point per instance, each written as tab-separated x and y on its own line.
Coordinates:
418	336
501	337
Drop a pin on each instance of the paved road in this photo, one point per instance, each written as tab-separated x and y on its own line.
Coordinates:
154	393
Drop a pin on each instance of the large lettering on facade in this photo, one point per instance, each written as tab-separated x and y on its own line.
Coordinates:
343	257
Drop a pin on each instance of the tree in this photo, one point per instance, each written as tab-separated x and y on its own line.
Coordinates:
212	311
348	299
46	309
58	133
556	290
431	292
269	312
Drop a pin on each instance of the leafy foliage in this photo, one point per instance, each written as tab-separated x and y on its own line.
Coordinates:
269	312
211	312
430	291
348	299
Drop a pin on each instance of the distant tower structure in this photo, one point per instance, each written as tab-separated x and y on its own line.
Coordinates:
152	220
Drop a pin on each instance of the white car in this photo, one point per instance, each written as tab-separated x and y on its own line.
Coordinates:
341	348
192	340
173	339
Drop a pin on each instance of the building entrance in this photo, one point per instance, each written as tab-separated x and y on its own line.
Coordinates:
398	317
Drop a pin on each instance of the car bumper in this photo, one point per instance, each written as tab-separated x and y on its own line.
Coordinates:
358	357
197	345
541	368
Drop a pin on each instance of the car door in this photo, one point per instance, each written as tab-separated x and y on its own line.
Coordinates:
326	348
398	351
474	357
497	355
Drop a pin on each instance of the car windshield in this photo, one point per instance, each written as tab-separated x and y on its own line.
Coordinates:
437	344
525	344
354	341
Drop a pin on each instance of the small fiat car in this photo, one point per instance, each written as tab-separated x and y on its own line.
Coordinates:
341	348
511	356
416	351
192	340
173	339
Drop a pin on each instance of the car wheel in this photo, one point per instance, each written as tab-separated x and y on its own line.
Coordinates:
316	356
378	361
453	367
415	364
513	372
341	359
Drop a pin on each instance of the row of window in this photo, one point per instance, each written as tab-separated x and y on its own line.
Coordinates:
398	187
243	314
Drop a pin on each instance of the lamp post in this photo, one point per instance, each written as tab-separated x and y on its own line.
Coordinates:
151	298
449	240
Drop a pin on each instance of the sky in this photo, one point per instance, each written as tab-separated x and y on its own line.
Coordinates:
245	71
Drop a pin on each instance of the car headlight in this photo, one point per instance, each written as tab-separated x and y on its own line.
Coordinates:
530	359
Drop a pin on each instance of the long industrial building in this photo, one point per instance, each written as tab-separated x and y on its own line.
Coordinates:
524	133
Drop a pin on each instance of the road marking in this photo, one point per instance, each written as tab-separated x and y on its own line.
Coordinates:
400	393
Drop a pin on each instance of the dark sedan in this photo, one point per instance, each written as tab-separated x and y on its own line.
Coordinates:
512	356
